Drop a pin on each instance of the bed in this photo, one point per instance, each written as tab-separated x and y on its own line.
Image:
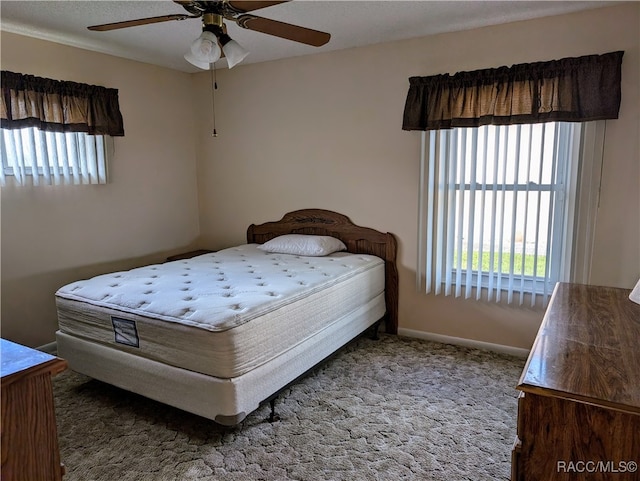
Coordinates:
221	333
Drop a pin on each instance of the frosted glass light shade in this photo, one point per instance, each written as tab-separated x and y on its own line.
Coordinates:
204	51
189	57
234	53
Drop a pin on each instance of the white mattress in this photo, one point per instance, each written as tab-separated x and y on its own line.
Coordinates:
221	314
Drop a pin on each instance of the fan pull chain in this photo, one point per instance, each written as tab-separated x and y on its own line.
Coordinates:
214	84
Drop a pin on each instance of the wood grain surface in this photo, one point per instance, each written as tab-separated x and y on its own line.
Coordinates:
579	409
29	433
588	348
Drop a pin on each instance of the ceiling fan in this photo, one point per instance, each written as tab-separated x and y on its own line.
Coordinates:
214	42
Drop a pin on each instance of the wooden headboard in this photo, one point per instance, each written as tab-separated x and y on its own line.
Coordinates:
359	240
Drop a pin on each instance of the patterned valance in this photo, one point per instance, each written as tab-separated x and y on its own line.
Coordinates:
572	89
58	106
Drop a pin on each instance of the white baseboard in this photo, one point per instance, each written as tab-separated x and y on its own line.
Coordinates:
51	348
459	341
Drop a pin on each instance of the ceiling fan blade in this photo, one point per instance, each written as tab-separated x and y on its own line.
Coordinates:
248	6
140	21
304	35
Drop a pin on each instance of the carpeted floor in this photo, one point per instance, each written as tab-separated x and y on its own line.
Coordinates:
392	409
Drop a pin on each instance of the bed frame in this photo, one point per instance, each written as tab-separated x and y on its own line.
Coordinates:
359	240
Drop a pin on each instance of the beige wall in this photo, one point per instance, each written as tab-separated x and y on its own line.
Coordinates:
325	131
54	235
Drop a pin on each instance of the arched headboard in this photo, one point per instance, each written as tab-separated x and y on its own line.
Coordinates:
359	240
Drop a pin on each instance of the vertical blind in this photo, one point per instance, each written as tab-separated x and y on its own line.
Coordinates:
33	156
492	209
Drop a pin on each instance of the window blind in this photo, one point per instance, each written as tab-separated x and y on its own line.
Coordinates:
493	209
33	156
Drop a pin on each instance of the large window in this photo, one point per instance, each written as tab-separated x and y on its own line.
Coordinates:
510	169
32	156
497	209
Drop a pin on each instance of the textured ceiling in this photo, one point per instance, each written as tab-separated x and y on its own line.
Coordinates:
350	23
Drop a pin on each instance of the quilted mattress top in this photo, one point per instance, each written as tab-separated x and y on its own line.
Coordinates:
218	291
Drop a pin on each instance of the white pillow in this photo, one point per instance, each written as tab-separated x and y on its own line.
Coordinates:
303	245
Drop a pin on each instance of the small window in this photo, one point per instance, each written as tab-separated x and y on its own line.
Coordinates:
32	156
497	210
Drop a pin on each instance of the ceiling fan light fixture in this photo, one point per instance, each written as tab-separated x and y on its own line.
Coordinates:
204	51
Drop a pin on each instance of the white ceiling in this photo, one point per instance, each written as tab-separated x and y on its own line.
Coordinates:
350	23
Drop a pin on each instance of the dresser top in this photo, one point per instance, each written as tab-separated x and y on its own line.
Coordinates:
17	358
588	348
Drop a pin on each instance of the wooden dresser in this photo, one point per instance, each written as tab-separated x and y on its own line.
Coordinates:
579	406
29	434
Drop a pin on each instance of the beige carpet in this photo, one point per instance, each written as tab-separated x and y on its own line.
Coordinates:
392	409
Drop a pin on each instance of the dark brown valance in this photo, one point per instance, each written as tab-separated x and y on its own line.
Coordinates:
58	106
571	89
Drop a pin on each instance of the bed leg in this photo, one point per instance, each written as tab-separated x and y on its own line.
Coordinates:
273	416
374	332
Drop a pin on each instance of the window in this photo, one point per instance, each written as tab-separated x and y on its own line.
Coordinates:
33	156
497	209
508	191
55	131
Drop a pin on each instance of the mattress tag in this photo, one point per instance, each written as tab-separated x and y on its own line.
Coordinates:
125	331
